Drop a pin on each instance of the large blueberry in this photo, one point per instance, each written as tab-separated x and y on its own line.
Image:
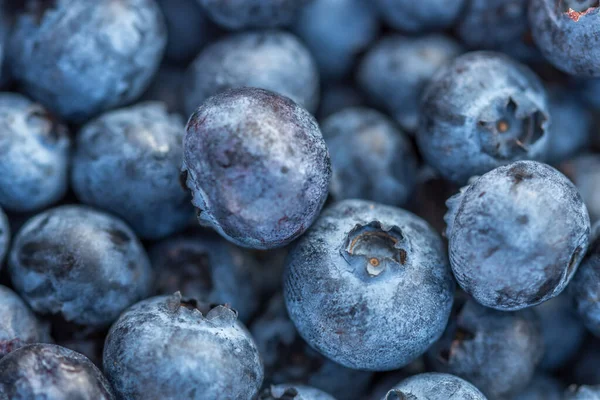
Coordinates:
370	157
423	15
496	351
79	58
128	162
257	166
517	235
207	268
18	324
50	372
240	14
82	264
294	392
34	155
568	34
397	69
4	236
167	345
271	60
481	111
584	171
542	387
369	285
434	386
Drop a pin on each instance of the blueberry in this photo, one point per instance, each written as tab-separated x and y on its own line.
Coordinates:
257	166
481	111
582	393
584	171
4	236
434	386
369	286
18	325
50	372
34	160
568	34
106	55
496	351
371	159
335	31
424	15
294	392
542	387
207	268
288	358
166	345
127	162
82	264
396	70
336	97
272	60
517	235
241	14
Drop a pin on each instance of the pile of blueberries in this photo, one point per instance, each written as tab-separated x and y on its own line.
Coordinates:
371	199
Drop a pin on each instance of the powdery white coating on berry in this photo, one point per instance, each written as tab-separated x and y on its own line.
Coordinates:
568	34
243	14
34	155
166	345
517	235
271	60
419	16
369	286
396	70
128	162
83	264
371	158
481	111
4	236
582	393
18	324
79	58
50	372
434	386
294	392
257	166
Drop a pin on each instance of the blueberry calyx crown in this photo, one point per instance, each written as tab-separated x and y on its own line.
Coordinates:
578	8
215	313
397	394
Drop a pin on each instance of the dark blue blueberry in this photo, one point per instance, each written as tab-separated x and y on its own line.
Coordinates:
18	324
582	393
128	162
397	69
336	97
369	286
207	268
294	392
257	166
80	58
542	387
240	14
335	31
167	345
481	111
50	372
81	264
434	386
584	171
418	16
288	358
568	34
370	157
34	155
271	60
495	351
4	236
517	235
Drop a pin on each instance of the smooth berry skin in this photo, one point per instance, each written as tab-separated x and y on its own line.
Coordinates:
294	392
496	351
425	15
244	14
517	235
568	34
584	171
4	236
364	144
113	50
207	268
271	60
396	70
582	393
542	387
257	166
434	386
481	111
205	353
35	151
368	286
18	324
51	372
336	31
82	264
140	147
